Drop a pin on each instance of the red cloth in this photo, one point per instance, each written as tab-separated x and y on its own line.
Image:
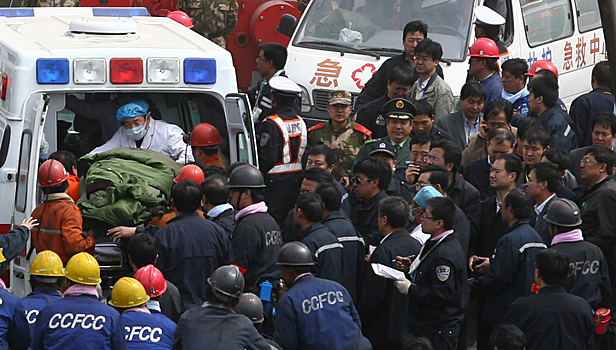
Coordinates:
73	187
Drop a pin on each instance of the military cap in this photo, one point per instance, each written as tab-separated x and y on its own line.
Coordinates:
284	86
340	97
488	17
399	108
383	146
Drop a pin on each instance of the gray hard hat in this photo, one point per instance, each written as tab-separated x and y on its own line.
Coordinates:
563	212
227	282
246	176
250	306
295	254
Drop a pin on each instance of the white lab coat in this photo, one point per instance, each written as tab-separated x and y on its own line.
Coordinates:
160	137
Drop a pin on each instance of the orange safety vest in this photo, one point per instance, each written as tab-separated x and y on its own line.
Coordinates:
290	129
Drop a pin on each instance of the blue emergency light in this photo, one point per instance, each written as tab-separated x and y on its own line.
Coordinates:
119	11
52	71
16	12
200	71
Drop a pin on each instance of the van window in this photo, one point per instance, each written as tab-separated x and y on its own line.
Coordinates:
546	20
4	146
588	15
22	172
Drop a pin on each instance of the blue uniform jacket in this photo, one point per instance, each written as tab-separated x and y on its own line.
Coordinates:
35	301
560	127
494	87
190	249
78	322
14	331
317	314
586	107
147	331
326	251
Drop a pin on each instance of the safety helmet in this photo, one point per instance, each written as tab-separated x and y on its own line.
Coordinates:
540	65
484	47
563	212
190	172
47	267
82	268
152	280
128	292
204	135
181	17
250	306
51	173
295	254
132	109
227	282
246	176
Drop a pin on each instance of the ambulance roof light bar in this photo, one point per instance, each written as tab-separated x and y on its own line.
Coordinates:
59	11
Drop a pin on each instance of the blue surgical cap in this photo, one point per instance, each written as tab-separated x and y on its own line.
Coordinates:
426	192
133	109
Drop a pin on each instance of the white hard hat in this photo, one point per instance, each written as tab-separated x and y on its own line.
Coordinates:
487	16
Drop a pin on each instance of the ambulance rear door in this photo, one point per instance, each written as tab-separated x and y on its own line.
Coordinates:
242	141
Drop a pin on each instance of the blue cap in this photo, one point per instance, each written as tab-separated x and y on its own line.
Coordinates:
426	192
133	109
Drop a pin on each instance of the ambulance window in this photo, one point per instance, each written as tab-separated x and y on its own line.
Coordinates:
4	147
588	15
22	173
546	20
242	148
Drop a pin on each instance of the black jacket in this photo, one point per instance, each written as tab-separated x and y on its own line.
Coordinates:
586	107
560	127
226	220
491	229
541	226
553	319
477	173
353	252
371	116
364	215
326	252
512	271
466	198
382	308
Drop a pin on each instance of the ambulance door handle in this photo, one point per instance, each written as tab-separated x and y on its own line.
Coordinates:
10	176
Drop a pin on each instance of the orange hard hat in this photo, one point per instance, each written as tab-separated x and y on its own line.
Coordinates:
152	279
181	17
51	173
540	65
204	135
484	47
190	172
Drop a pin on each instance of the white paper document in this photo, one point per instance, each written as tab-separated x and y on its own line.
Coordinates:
387	272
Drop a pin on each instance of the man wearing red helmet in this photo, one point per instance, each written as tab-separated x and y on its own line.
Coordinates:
61	225
483	66
204	142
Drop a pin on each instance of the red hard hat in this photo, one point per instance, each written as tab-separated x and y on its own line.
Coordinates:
204	135
51	173
484	47
190	172
540	65
152	279
181	17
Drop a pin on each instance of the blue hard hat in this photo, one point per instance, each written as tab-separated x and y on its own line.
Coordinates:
133	109
422	196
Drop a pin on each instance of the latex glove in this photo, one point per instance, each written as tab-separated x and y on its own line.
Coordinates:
403	286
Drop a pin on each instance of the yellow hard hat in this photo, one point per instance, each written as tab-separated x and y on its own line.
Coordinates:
2	258
48	264
128	292
82	268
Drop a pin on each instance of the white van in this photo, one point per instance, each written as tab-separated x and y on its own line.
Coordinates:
49	54
566	32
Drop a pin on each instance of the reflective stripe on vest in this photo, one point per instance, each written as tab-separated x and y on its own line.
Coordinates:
290	129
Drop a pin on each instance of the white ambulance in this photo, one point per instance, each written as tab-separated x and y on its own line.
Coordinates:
339	44
93	55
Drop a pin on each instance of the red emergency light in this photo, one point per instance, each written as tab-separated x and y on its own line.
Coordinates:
3	86
126	70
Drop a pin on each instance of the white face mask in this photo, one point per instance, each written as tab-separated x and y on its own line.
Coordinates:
136	133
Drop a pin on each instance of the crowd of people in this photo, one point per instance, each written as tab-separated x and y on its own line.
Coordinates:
400	223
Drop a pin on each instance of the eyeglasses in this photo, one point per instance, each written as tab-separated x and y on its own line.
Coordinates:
424	216
402	90
259	59
358	180
422	58
586	161
431	158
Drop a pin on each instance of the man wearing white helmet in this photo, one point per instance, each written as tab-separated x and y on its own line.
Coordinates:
140	130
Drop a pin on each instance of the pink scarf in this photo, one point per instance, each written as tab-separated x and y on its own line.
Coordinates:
571	236
79	289
251	209
2	285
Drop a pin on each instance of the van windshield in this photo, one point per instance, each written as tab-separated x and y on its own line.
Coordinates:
375	26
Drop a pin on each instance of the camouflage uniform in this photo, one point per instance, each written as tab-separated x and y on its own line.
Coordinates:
50	3
345	142
214	19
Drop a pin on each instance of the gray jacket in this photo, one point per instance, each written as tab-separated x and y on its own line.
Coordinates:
438	94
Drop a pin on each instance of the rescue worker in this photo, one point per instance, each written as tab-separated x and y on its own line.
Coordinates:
270	63
553	318
140	130
155	285
546	69
46	281
437	290
340	134
514	86
182	18
79	315
325	248
216	202
354	248
204	142
510	269
60	229
14	330
487	25
483	66
251	306
314	313
381	308
215	324
70	164
588	276
191	248
281	147
214	19
143	329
